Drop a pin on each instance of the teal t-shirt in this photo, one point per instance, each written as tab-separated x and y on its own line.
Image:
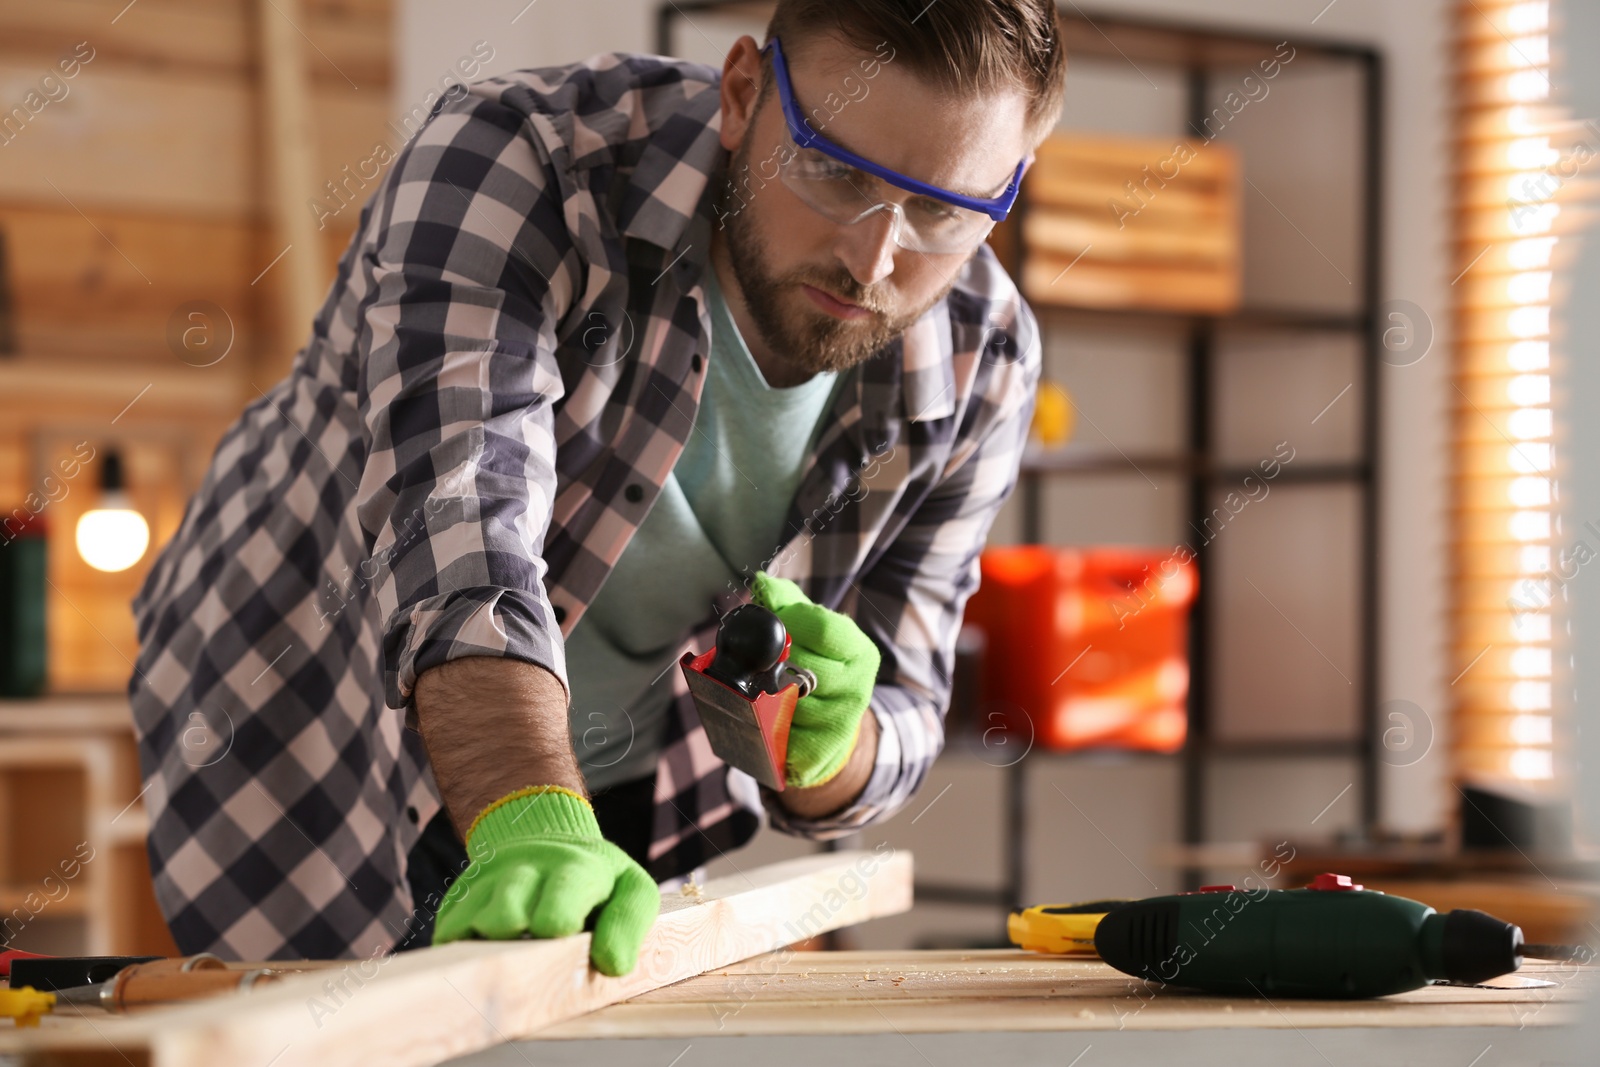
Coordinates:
718	519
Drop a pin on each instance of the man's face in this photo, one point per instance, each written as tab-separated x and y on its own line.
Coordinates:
824	295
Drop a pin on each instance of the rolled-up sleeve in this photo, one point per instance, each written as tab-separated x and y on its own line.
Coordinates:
471	269
913	598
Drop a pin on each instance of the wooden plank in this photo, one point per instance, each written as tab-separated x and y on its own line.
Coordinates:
1011	990
427	1006
1142	223
1209	162
1069	234
1095	193
1054	279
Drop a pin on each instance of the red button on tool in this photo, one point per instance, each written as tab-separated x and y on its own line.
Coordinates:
1332	881
1215	889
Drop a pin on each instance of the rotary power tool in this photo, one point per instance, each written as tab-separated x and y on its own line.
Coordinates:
745	691
1331	939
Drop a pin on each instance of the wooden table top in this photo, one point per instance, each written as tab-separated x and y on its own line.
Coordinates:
1011	990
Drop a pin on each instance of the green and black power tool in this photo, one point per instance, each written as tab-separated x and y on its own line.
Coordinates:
1331	939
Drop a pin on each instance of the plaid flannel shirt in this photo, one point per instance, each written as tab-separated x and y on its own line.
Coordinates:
504	372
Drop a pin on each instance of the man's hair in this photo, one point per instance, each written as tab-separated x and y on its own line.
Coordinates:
968	47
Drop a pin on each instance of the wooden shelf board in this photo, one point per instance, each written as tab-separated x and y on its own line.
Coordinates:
13	897
66	715
32	379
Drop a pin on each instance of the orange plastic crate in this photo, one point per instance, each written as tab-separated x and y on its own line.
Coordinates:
1090	646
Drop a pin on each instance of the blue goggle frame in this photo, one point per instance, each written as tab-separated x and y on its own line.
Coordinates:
996	208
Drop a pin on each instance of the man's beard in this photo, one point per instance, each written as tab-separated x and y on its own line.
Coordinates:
809	338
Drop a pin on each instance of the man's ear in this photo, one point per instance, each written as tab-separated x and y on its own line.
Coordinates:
741	86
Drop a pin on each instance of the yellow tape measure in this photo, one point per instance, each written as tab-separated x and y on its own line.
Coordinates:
25	1005
1059	929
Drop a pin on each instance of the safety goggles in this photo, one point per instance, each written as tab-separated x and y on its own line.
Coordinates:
845	188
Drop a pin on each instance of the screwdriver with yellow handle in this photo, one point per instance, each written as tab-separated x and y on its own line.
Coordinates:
161	981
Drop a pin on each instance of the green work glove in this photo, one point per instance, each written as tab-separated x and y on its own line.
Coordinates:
539	867
845	661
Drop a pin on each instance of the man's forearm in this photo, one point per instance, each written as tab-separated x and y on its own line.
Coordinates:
492	726
843	788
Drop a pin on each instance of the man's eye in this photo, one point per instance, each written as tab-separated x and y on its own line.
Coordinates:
819	165
842	172
933	210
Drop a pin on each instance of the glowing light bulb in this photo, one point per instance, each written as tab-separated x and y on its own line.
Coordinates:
113	536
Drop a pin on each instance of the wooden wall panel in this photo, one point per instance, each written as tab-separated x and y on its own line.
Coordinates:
108	287
182	141
132	139
136	186
355	38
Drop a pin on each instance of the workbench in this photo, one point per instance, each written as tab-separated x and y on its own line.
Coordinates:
982	1007
719	981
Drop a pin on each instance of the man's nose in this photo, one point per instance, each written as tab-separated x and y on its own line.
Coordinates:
867	247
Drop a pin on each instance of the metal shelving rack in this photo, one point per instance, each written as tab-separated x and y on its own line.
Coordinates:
1198	51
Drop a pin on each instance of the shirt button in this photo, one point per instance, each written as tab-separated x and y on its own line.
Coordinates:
560	613
634	493
411	813
697	363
